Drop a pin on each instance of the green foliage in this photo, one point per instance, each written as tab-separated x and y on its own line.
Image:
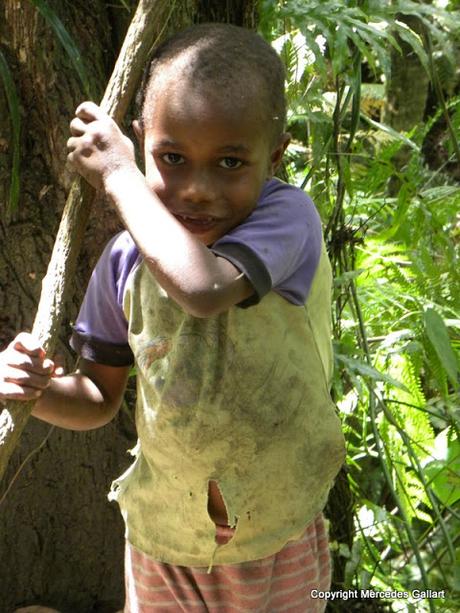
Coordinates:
443	474
439	337
397	282
67	42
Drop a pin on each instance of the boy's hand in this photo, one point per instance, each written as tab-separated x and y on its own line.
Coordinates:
25	372
97	146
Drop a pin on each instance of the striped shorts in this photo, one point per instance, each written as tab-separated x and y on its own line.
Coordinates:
278	583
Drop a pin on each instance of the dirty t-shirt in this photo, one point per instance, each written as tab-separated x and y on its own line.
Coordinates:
277	247
241	398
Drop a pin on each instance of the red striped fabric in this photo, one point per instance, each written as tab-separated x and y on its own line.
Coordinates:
281	582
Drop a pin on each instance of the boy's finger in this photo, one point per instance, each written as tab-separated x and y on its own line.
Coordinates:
28	344
48	365
25	378
72	144
59	364
21	361
12	391
77	127
89	111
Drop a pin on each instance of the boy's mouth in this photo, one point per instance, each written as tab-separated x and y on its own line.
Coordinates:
196	224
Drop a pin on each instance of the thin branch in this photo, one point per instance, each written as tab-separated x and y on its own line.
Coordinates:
28	457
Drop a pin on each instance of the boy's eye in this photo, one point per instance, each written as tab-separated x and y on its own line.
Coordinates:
230	163
173	159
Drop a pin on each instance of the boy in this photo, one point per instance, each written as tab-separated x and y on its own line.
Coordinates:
219	292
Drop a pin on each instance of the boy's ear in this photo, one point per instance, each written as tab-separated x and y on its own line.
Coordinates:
277	153
139	132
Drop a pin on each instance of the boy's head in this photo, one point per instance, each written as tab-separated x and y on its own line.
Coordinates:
212	124
231	64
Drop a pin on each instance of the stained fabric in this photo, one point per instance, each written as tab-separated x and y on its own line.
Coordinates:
242	399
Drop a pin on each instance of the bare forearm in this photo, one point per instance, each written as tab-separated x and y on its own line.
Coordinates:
73	402
183	266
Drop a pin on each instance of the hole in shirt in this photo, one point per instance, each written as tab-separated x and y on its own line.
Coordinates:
217	511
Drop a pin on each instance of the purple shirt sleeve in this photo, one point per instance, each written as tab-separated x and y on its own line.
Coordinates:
278	246
101	331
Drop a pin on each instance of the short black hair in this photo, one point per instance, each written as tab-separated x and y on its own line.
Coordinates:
233	61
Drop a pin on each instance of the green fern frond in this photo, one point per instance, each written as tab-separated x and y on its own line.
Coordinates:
417	493
435	368
411	419
411	381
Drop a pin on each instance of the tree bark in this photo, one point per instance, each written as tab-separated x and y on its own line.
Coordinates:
407	87
61	542
406	95
145	26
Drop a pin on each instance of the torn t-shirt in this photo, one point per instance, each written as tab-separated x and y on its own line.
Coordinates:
240	398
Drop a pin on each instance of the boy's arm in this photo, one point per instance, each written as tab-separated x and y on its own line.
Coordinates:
84	400
202	283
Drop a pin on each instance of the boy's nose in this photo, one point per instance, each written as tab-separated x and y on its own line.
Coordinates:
199	188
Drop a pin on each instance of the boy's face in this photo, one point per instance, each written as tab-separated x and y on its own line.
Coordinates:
206	161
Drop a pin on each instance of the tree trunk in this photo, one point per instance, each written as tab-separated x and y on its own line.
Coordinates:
407	87
61	542
406	95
